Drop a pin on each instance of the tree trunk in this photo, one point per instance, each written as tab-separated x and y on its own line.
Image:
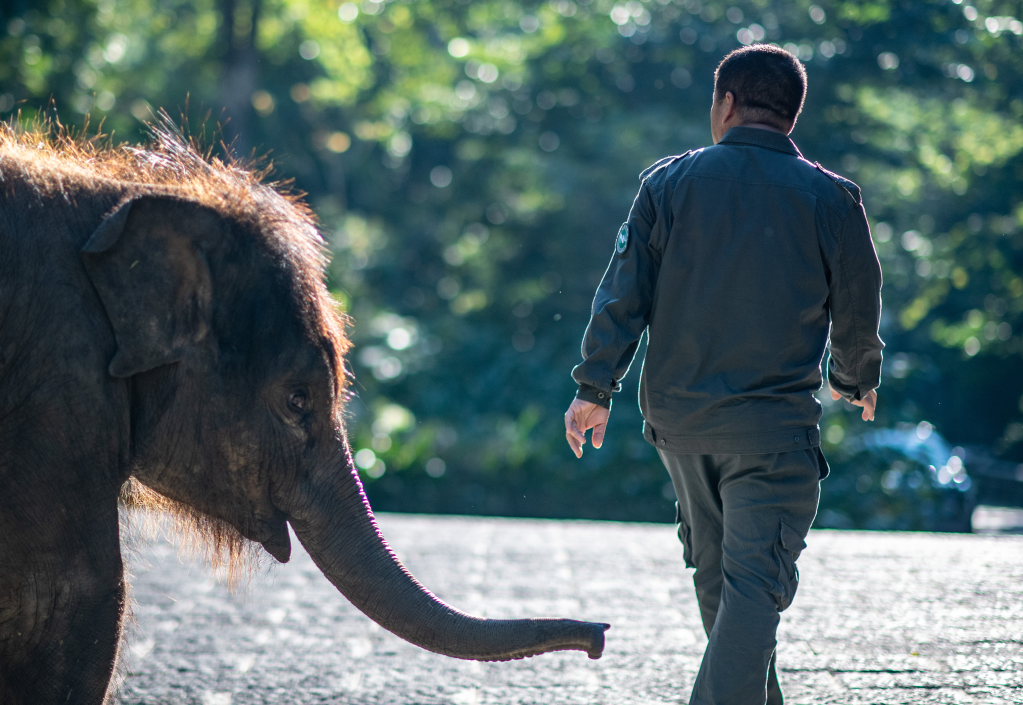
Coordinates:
240	77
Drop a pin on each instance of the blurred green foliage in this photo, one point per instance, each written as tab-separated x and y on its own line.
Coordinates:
471	162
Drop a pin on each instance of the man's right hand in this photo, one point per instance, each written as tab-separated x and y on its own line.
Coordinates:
580	417
868	403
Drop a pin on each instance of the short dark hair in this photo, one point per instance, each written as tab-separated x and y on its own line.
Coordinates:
768	83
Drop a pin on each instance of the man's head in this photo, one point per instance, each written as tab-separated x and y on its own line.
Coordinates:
761	85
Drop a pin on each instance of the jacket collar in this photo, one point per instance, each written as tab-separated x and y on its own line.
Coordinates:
761	138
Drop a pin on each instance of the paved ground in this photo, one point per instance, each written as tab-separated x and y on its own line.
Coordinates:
879	618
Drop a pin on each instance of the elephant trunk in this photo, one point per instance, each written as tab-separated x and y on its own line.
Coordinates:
337	527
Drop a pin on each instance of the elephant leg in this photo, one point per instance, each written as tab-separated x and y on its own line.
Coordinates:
62	599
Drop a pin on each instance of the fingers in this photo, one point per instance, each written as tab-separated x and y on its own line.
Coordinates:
576	438
580	417
572	431
575	445
868	403
835	395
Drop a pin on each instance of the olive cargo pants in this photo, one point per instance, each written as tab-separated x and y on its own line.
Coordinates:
742	520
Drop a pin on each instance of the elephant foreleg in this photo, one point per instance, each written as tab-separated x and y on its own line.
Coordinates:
61	603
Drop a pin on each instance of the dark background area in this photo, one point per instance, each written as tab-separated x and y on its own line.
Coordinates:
471	162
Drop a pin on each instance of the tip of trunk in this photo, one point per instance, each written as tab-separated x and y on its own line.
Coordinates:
596	649
558	635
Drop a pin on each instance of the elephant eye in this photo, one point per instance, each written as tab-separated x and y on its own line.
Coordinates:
297	401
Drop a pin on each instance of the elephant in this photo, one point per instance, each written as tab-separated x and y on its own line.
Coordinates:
166	332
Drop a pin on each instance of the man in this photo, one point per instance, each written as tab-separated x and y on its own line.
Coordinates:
735	260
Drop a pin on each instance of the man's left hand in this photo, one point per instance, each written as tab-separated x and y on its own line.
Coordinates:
867	403
581	417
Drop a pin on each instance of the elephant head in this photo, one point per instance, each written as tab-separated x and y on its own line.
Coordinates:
233	354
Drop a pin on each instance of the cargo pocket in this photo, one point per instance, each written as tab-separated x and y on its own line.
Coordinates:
823	469
786	550
684	537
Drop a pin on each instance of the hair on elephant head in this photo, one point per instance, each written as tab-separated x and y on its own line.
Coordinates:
192	361
234	353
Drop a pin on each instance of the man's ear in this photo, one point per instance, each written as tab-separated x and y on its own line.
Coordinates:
729	107
147	265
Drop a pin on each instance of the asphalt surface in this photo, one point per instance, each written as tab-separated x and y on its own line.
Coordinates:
879	618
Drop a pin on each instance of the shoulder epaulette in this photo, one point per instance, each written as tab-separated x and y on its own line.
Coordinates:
660	164
845	183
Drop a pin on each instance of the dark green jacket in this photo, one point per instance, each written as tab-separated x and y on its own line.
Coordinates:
736	259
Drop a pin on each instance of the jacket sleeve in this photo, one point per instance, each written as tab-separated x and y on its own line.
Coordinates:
854	365
621	307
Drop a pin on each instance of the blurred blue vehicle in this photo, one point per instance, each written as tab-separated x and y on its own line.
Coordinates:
911	478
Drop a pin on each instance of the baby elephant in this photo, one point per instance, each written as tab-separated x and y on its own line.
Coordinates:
164	324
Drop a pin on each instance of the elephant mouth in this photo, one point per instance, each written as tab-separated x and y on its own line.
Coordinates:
273	536
279	544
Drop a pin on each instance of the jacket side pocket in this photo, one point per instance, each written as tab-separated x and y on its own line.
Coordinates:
786	551
684	537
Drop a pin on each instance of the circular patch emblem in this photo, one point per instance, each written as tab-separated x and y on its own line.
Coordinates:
623	238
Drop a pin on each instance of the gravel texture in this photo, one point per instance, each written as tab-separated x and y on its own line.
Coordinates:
879	618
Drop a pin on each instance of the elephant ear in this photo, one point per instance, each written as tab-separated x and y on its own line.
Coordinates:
146	262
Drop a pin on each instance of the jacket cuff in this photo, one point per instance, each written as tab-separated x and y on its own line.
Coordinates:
594	395
849	393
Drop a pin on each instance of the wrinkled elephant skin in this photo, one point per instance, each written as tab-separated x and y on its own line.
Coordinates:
164	326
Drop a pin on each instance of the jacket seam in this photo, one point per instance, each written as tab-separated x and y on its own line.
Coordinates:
618	338
762	146
810	191
855	324
770	435
657	216
764	442
618	357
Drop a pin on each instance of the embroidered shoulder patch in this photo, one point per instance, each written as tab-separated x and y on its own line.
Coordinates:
623	239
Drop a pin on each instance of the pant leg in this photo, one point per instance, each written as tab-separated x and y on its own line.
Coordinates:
766	504
774	695
700	526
